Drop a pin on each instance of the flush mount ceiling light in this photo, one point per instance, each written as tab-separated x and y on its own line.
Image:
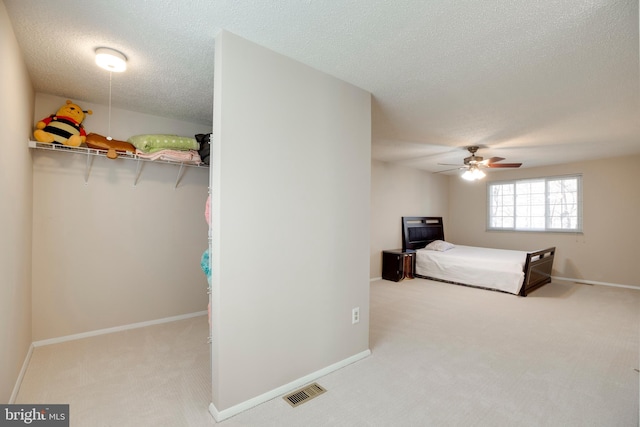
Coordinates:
111	60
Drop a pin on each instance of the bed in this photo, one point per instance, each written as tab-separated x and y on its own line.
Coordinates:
514	272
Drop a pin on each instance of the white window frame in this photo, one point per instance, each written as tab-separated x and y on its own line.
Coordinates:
509	207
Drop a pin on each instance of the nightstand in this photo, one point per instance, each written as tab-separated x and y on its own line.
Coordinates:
398	264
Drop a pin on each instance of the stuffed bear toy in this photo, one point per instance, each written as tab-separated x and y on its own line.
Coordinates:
113	146
64	127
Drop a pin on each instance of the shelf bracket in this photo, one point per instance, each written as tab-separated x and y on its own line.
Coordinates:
138	171
87	168
179	176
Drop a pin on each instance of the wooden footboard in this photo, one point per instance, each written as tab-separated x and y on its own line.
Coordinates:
537	270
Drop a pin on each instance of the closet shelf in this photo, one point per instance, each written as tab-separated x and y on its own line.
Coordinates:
92	152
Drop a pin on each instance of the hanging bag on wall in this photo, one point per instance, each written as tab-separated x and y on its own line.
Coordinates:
203	140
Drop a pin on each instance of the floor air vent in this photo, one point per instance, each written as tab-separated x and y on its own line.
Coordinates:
298	397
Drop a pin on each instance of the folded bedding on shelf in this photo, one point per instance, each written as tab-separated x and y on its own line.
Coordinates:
184	156
153	143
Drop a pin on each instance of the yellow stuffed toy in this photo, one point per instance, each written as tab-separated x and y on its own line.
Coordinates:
64	127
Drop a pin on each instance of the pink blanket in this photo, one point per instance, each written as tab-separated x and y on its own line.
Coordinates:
184	156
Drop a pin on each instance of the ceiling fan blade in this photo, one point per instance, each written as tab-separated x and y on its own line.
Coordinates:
504	165
449	170
495	159
451	164
486	162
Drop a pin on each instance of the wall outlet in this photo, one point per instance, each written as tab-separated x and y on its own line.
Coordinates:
355	315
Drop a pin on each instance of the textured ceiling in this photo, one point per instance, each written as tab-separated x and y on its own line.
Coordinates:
535	82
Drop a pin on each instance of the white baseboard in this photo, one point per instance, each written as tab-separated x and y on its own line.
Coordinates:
592	282
117	329
373	279
16	387
241	407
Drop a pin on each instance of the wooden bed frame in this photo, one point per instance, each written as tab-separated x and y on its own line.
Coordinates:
419	231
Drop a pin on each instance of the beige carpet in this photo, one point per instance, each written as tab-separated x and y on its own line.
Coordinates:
443	355
153	376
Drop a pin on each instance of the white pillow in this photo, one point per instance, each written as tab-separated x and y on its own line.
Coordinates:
440	245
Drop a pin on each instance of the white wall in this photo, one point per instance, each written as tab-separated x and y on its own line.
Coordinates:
606	251
16	110
398	191
108	253
290	203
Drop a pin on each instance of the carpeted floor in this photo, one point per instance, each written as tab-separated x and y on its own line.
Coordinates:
154	376
442	355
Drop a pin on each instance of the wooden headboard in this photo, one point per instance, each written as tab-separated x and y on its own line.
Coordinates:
419	231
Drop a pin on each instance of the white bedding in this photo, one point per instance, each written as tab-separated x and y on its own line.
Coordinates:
488	268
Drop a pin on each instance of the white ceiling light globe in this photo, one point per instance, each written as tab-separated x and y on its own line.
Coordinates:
111	60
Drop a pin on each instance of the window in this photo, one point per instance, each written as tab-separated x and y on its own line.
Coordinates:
540	204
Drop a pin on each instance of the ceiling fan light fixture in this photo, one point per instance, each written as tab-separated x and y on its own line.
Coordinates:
474	165
468	175
111	59
473	174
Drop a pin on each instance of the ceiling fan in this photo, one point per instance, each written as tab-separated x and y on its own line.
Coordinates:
473	164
